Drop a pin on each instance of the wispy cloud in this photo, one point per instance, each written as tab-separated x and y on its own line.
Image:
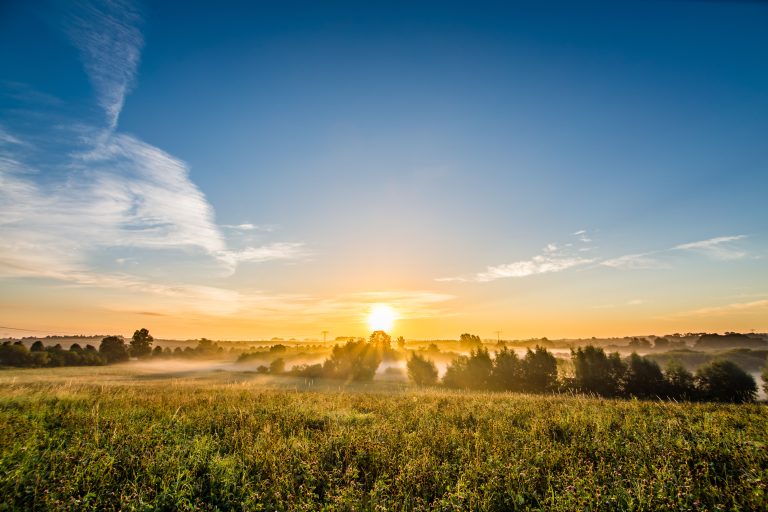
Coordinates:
633	261
274	251
8	138
556	258
109	39
247	226
552	259
719	248
757	306
108	189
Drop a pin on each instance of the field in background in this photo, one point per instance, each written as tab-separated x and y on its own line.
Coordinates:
133	437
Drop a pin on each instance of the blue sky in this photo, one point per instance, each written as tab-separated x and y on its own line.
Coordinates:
254	169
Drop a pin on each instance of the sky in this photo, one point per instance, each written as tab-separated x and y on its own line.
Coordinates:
258	169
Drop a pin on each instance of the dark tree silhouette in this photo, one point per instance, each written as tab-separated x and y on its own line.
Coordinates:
508	372
596	372
380	340
113	349
422	371
680	382
277	366
643	378
357	360
471	340
539	370
141	343
37	346
724	381
470	372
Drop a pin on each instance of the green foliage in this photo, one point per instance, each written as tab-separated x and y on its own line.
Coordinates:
539	370
680	383
470	372
422	371
643	378
724	381
16	354
113	349
141	343
597	372
90	444
356	360
508	373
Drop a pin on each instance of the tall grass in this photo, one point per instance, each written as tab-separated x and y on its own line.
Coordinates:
90	443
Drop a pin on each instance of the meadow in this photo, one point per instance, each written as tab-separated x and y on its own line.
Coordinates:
126	437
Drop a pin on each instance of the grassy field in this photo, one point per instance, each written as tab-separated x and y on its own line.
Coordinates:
129	438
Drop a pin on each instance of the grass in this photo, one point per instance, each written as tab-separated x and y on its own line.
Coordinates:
118	438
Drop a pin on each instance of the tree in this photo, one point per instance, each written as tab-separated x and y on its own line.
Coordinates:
679	381
75	347
277	366
113	349
157	351
141	343
539	370
639	343
470	339
356	360
661	344
37	346
206	347
643	378
400	343
422	371
725	381
507	373
15	354
596	372
472	372
380	340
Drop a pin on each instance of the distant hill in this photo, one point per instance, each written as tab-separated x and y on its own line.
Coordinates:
730	340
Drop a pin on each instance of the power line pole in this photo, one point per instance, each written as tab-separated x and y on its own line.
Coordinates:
325	333
498	336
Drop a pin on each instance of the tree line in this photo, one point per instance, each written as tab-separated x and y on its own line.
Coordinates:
594	372
112	349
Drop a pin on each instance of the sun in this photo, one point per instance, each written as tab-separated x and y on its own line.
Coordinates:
381	317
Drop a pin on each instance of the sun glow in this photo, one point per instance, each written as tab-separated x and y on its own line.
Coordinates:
381	318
